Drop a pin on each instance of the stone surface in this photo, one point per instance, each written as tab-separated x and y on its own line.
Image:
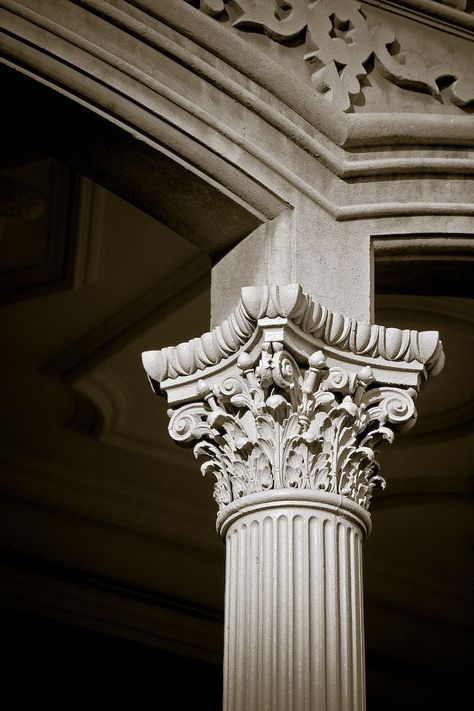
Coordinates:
304	246
343	47
308	148
230	117
294	635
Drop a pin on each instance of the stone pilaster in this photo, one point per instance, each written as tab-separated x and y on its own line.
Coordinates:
286	404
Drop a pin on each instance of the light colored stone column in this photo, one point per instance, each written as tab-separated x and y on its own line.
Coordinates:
287	403
294	635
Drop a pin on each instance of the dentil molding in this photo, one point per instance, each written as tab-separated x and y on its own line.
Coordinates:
286	395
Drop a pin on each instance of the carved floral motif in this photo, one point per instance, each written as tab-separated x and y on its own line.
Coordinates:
269	408
276	426
342	48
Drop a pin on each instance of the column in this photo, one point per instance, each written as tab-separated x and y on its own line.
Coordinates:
294	636
286	404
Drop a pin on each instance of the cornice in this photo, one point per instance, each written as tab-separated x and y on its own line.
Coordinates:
409	246
345	130
342	129
233	50
276	306
436	13
405	146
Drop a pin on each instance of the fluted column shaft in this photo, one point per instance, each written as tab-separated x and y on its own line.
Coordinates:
294	638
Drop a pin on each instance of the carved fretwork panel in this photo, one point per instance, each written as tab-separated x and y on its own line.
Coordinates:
346	49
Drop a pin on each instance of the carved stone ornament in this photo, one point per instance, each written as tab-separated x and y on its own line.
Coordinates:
343	48
269	405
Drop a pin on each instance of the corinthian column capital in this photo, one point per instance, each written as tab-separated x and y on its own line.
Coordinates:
286	395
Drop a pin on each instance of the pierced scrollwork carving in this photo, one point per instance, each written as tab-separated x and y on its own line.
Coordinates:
276	426
342	48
